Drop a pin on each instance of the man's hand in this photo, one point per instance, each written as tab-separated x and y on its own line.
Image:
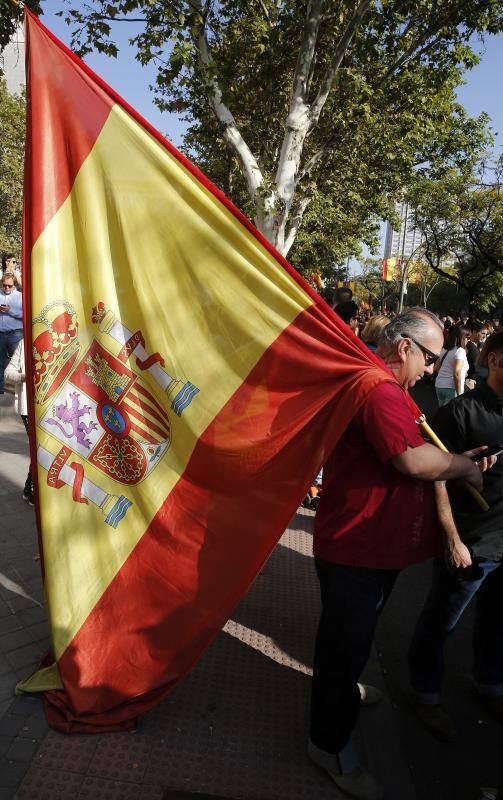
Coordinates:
4	309
485	463
457	555
428	463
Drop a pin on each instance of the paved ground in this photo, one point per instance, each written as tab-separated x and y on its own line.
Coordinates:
235	727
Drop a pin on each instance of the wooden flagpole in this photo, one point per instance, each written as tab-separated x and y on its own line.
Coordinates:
436	441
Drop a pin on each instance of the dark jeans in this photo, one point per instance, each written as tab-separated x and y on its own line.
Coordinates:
28	485
448	598
8	343
352	599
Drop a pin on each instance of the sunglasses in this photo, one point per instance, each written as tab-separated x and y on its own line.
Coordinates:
8	285
429	356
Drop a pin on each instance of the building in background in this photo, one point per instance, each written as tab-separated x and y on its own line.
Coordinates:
404	241
12	62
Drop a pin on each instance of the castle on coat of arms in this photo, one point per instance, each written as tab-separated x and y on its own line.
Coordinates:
99	407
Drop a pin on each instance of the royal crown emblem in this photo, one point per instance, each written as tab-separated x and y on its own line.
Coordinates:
55	347
99	407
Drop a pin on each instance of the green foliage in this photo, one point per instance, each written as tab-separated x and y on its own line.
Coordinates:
12	120
446	298
461	217
11	16
391	113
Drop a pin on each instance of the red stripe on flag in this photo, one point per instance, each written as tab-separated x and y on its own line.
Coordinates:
144	434
61	140
150	406
162	432
216	528
102	88
143	431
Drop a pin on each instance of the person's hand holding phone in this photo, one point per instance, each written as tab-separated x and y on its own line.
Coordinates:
485	456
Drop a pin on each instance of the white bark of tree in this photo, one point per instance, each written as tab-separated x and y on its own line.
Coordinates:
278	212
280	206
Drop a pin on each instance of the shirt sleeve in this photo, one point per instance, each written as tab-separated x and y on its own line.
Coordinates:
450	426
387	422
460	355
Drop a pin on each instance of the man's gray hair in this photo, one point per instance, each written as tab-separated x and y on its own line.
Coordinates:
414	322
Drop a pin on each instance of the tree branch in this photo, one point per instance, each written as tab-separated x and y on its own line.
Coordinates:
318	156
432	28
412	51
109	18
306	52
339	53
295	223
265	11
230	131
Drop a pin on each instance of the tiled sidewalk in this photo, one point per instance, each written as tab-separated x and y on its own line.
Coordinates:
235	727
24	634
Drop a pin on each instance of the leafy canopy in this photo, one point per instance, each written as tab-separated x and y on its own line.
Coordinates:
12	118
11	15
311	116
461	218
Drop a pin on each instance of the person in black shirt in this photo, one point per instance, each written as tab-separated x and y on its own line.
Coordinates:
473	562
472	352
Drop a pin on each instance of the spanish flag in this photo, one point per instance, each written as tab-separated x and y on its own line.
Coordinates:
187	384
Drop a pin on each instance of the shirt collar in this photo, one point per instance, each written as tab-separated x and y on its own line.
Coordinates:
390	372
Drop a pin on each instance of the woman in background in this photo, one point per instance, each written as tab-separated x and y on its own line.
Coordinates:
16	374
373	329
452	366
10	266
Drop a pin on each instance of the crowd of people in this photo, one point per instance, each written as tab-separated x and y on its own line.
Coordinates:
389	499
458	367
12	362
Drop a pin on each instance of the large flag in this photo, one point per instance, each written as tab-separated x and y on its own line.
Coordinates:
187	386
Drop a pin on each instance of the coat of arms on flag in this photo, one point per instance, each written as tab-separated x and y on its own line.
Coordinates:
98	405
201	490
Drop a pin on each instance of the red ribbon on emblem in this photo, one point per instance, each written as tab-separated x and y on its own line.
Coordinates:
77	484
54	481
56	467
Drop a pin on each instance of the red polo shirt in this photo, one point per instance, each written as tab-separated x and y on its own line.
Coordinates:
370	515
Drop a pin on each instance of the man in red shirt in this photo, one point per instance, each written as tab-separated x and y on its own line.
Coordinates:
376	516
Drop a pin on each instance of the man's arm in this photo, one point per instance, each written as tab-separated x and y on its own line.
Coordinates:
458	376
428	463
457	555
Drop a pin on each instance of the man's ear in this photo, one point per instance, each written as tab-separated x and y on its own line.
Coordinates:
402	349
494	360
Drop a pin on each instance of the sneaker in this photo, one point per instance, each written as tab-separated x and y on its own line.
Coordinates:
436	719
358	784
491	793
369	695
28	496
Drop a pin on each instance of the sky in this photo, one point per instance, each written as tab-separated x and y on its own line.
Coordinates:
482	91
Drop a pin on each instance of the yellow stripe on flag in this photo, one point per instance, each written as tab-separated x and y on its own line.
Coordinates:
142	235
